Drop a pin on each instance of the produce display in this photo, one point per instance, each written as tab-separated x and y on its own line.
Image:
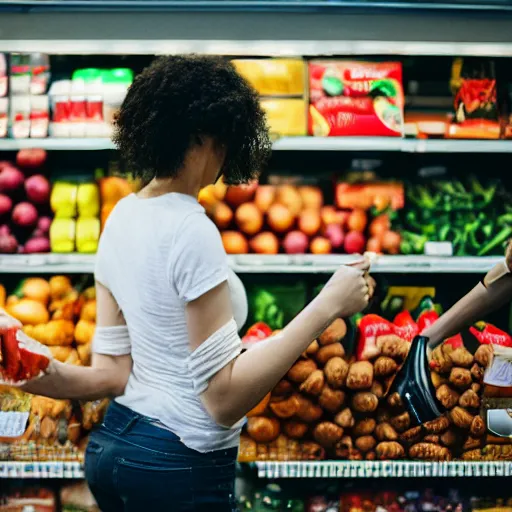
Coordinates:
62	216
24	203
355	98
474	215
61	317
337	499
268	219
334	402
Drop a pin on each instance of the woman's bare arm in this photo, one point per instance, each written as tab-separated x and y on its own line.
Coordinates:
240	385
492	293
108	375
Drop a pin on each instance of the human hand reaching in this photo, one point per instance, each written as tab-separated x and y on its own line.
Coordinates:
348	291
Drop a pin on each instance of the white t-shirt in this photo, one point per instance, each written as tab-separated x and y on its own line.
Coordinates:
154	256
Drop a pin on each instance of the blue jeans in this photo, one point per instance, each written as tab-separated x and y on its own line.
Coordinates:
132	465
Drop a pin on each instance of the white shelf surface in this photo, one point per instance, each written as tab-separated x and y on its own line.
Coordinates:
41	470
263	264
391	144
383	469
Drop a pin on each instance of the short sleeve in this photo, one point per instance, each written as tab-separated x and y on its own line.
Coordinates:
198	259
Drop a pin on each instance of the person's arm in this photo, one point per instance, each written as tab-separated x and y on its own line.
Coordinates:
490	294
108	375
236	388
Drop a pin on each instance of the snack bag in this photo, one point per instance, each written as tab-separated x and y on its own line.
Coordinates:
21	358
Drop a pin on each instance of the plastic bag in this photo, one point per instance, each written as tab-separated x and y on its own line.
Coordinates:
21	358
498	377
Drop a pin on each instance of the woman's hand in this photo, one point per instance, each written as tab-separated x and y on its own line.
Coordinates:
348	291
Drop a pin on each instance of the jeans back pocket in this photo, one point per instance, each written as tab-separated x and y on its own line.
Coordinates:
149	485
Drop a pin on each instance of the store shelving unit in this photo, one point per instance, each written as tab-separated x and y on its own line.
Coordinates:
388	469
37	470
387	144
264	264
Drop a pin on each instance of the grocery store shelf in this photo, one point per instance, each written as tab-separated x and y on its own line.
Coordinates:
326	264
46	263
56	144
41	470
259	264
384	469
394	144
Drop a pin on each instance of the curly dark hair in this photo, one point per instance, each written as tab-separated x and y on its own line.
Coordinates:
179	98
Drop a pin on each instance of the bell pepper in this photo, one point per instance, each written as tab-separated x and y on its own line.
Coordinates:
488	334
426	319
62	235
63	199
87	234
257	332
405	327
88	200
370	328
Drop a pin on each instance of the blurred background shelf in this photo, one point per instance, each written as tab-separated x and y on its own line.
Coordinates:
260	264
388	144
389	469
38	470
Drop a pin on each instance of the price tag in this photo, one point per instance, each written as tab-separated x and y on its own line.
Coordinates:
13	424
438	249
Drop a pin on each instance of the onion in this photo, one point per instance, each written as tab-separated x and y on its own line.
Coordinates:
10	178
44	224
8	244
37	244
37	188
5	204
24	214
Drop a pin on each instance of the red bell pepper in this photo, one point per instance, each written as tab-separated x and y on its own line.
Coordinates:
426	319
257	332
405	327
11	362
488	334
370	328
455	341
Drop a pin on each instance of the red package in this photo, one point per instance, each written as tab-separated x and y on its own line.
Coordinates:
405	327
21	357
356	98
370	328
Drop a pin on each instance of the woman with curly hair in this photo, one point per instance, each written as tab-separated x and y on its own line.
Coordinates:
168	308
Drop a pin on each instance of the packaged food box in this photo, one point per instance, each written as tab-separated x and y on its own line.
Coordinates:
355	98
286	117
274	77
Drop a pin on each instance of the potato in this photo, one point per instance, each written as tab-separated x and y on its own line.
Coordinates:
301	370
328	352
364	427
331	399
336	371
364	401
314	384
334	333
360	375
365	443
327	434
384	366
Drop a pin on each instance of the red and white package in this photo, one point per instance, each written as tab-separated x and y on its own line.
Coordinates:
21	358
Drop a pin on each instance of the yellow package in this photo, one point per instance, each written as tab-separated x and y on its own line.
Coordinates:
62	235
286	116
88	200
63	199
274	77
87	234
